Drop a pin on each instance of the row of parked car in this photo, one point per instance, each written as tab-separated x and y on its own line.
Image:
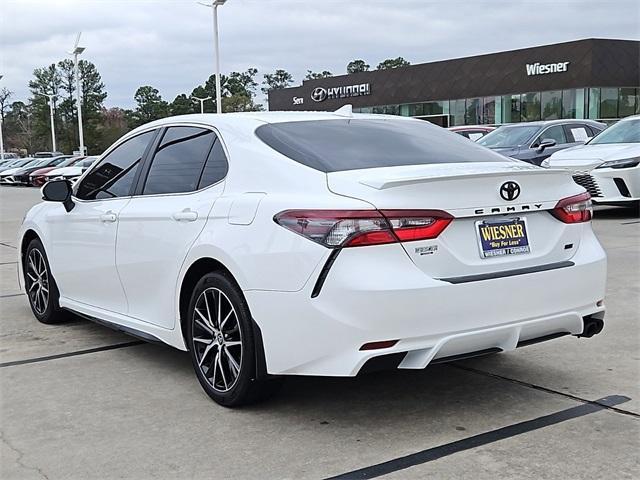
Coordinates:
605	161
38	170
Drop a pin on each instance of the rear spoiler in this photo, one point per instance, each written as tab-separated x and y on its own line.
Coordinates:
381	183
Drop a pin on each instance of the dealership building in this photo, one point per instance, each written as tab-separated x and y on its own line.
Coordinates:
591	78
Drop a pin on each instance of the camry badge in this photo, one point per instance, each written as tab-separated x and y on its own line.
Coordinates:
510	191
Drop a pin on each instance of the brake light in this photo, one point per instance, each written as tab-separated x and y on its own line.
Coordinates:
575	209
354	228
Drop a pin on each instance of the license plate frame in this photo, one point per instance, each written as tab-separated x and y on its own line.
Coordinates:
503	247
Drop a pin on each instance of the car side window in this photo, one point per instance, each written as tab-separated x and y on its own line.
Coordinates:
216	167
179	161
114	175
555	132
578	133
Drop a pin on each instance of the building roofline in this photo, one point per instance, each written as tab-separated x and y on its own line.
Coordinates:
466	57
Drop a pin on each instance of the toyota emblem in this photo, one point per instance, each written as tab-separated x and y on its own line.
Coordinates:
319	94
510	191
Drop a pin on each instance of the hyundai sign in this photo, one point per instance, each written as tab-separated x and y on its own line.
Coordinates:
320	94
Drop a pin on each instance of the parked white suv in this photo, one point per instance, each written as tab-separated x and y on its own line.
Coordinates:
609	165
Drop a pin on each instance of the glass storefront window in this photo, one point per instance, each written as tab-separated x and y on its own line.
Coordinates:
416	109
434	108
569	99
628	99
456	109
489	109
551	105
608	103
510	108
530	106
387	109
473	111
594	103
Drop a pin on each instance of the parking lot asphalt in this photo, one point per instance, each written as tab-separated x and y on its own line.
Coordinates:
79	401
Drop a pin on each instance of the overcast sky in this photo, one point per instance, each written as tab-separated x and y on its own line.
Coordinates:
168	43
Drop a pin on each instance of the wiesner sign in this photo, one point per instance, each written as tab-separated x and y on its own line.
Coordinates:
542	69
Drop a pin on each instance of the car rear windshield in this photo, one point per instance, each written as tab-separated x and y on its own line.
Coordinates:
350	144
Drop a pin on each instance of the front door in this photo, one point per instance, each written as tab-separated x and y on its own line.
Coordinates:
83	241
554	132
165	217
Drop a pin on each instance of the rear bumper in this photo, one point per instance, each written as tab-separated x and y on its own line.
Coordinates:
366	301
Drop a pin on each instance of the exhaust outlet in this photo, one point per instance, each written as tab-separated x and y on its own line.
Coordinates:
592	325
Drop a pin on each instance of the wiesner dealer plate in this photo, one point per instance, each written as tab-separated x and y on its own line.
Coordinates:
500	238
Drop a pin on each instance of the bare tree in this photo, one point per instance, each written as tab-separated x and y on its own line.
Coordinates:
5	95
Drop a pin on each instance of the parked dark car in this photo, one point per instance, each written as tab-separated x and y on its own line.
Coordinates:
21	176
37	178
535	141
472	132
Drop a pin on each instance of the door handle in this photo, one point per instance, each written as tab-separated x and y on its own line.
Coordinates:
108	217
186	215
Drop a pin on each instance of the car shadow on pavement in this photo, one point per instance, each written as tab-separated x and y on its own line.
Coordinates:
440	393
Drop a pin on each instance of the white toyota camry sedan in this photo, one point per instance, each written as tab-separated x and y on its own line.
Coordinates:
273	244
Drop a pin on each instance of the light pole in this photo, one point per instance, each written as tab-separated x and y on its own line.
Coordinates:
214	7
75	52
201	100
1	136
53	128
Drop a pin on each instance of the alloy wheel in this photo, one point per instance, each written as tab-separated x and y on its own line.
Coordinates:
217	339
37	281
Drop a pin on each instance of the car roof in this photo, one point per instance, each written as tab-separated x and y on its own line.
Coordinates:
632	117
544	123
471	127
251	120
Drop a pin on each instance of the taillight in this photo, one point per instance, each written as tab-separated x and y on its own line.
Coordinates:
354	228
576	209
411	225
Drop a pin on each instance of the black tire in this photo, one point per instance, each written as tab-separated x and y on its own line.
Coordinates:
44	305
217	292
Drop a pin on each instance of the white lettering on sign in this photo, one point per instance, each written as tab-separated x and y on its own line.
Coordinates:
542	69
298	100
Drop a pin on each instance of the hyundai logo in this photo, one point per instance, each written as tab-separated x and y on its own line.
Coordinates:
319	94
510	191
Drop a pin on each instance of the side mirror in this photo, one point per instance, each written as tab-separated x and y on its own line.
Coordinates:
546	142
58	191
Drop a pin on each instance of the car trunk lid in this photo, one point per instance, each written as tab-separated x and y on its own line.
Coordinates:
472	194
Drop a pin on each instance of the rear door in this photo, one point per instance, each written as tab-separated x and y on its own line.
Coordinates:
160	223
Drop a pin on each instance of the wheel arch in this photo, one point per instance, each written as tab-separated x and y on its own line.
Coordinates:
193	274
27	237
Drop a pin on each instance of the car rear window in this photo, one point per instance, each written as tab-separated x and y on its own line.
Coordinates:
350	144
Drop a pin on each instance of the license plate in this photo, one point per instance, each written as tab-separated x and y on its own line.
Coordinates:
508	237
